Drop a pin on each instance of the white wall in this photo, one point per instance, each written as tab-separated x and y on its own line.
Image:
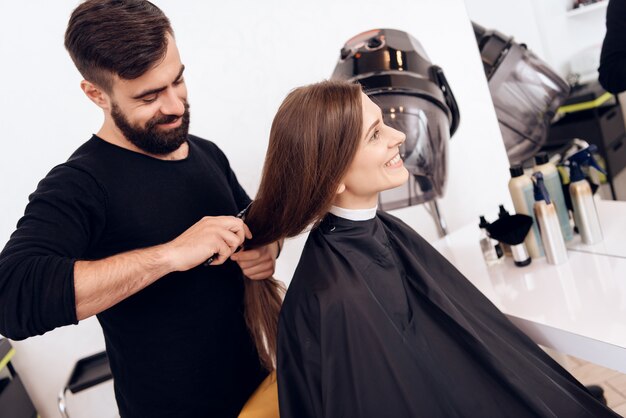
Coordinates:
510	17
242	58
545	26
566	35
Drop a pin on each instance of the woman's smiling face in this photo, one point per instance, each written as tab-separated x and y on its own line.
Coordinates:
377	165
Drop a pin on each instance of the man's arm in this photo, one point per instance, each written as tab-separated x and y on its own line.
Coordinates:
64	217
103	283
45	285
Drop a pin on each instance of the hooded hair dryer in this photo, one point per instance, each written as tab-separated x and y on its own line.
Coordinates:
414	96
526	93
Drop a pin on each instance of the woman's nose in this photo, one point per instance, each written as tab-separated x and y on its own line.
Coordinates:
397	138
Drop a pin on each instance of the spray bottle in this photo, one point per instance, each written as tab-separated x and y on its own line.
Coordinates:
521	190
552	181
547	218
506	248
585	213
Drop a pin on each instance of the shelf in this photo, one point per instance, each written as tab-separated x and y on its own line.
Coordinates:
586	9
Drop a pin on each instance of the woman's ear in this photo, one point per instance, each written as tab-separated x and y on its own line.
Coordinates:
95	94
341	188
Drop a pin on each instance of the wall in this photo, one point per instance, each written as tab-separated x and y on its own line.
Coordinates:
513	18
242	58
546	27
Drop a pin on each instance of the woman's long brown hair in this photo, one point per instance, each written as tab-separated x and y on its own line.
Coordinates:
313	140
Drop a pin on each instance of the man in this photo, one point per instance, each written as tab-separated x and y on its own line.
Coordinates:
122	230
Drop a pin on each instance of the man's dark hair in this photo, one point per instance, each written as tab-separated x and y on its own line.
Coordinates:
123	37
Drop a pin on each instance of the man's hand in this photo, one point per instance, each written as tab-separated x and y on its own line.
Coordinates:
220	235
259	263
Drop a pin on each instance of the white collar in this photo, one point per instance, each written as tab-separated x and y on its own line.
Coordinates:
354	214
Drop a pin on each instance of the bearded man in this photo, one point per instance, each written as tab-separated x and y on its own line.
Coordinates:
123	228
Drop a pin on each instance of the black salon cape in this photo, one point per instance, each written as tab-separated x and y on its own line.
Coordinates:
376	323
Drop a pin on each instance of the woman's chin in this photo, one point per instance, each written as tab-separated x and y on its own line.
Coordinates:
398	177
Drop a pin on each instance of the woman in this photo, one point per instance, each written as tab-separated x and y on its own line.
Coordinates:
376	323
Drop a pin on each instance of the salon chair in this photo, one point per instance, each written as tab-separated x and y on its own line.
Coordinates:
88	372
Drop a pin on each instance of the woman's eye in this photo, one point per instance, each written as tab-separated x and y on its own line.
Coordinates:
375	135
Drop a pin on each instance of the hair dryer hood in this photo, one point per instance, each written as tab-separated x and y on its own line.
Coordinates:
525	92
414	96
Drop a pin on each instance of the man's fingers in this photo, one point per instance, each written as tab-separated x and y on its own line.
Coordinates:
264	269
227	243
222	254
261	276
246	264
232	239
237	227
247	231
246	256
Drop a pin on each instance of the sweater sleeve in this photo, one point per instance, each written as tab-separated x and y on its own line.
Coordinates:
613	57
64	216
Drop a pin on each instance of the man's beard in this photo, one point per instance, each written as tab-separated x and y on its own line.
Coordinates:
150	138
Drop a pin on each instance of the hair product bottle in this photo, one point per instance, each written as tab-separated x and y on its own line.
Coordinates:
552	181
547	218
492	252
506	248
521	190
584	207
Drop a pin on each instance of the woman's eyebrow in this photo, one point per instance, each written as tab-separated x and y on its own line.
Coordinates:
376	122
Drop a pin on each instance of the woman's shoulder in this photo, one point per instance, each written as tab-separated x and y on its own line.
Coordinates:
324	276
312	272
